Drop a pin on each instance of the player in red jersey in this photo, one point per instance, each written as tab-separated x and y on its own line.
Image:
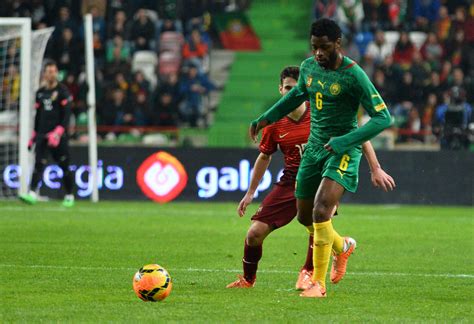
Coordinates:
279	207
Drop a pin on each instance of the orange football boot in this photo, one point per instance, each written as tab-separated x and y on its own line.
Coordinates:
304	279
241	283
314	291
339	262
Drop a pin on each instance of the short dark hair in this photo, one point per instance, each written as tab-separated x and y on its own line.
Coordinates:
291	71
326	27
49	63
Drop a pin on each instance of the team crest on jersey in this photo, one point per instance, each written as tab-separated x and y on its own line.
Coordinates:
335	89
54	95
309	81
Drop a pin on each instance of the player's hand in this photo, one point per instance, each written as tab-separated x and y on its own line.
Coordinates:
54	137
255	128
244	203
31	142
381	179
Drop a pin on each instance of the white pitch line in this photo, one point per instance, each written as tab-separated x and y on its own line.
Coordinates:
375	274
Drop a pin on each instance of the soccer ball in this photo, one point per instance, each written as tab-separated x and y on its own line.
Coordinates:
152	283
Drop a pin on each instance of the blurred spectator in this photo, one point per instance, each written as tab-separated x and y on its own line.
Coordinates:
38	12
456	79
169	25
141	109
11	87
393	74
350	48
113	111
378	49
119	26
428	113
122	47
193	87
425	12
170	85
65	21
118	64
99	50
325	9
376	15
98	22
408	90
443	24
350	14
458	22
139	84
120	82
142	32
380	84
66	52
164	113
193	9
404	49
412	126
72	85
195	51
445	72
420	70
434	85
452	121
432	51
458	50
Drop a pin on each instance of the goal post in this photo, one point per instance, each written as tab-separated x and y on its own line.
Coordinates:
91	115
21	28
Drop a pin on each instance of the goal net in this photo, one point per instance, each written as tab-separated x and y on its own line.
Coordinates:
21	57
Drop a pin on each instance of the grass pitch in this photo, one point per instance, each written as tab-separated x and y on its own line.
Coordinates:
412	264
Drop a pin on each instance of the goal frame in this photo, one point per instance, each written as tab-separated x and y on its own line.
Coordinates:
25	96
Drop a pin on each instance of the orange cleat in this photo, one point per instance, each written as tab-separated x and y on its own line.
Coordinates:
304	279
241	283
339	262
314	291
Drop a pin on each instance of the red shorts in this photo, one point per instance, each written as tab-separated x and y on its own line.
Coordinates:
279	206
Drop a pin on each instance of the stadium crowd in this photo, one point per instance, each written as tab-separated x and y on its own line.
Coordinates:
419	54
151	57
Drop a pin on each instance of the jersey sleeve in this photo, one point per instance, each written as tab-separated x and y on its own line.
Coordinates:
373	103
65	101
267	143
288	103
38	112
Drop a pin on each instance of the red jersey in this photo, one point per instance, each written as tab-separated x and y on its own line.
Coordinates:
291	136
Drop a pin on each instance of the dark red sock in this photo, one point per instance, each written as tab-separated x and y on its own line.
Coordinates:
252	254
308	265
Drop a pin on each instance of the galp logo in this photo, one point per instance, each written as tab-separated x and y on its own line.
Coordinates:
161	177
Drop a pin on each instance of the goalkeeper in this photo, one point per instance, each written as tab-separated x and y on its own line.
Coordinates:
53	110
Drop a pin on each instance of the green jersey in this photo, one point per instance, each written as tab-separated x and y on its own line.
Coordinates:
335	96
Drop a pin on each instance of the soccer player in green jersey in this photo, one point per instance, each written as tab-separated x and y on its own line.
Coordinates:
335	87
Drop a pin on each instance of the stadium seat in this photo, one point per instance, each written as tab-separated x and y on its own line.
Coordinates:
146	61
170	62
418	38
171	41
391	37
362	40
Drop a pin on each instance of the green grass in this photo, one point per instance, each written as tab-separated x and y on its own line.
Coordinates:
412	264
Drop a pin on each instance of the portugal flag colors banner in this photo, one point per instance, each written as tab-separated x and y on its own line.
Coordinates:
235	31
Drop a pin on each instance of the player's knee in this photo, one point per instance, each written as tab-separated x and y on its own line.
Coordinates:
41	164
322	211
256	235
304	218
64	163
